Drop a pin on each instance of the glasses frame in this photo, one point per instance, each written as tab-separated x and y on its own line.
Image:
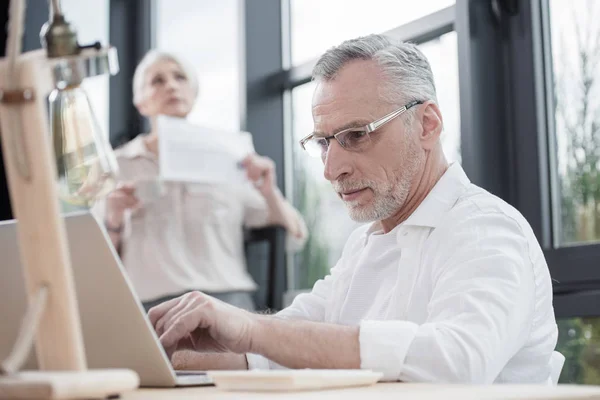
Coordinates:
369	128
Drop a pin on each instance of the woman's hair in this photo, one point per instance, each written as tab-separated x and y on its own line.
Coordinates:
151	58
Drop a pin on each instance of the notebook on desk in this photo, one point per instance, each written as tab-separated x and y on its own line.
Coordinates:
116	330
293	380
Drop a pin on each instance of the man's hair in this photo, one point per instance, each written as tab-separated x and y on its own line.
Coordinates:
151	58
406	69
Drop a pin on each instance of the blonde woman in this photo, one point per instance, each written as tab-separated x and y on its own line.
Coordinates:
191	236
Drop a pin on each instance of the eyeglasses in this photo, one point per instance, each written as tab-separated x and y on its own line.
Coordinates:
352	139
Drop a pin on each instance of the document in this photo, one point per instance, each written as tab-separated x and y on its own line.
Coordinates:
196	154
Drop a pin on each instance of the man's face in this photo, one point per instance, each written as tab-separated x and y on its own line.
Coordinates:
374	183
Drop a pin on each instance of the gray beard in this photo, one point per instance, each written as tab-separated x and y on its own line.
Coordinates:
390	199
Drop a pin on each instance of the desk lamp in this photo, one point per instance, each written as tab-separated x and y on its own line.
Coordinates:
80	167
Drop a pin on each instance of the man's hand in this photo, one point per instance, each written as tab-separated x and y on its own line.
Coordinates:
196	321
260	171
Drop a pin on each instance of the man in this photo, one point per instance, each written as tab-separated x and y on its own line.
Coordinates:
447	283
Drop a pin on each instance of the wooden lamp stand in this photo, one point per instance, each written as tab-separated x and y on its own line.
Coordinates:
52	320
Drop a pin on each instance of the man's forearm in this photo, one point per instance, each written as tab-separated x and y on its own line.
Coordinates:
306	344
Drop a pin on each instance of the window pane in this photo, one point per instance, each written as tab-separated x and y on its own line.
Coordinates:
575	41
317	25
323	211
579	342
92	27
442	54
187	28
325	214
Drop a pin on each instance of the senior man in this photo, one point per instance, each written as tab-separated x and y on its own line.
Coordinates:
445	283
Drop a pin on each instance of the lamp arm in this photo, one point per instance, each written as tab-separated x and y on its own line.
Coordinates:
24	342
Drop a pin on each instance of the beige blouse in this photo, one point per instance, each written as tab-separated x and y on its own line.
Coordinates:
190	237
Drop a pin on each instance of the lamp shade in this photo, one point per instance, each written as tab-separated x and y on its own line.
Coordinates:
85	162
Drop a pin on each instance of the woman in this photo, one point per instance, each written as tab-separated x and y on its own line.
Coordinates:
190	237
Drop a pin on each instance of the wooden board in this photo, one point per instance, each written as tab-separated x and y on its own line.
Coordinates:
91	384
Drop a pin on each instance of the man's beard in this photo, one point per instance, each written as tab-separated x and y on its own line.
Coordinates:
388	197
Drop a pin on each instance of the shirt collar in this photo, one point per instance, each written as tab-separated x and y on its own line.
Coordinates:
136	148
441	199
438	202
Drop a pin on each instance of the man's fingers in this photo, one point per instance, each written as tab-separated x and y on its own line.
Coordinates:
186	322
156	313
192	302
179	328
163	323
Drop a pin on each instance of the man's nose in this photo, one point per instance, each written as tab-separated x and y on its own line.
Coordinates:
336	162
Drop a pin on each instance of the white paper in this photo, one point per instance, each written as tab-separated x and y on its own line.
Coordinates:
191	153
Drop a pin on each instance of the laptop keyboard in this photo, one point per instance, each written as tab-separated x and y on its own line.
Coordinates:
193	378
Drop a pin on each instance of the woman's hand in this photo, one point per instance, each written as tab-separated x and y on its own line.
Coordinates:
260	171
118	201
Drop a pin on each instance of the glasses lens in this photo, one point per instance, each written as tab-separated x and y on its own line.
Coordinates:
316	146
354	140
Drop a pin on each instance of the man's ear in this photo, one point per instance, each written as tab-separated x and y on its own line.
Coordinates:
432	123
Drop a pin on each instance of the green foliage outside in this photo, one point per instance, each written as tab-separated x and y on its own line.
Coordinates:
313	261
577	116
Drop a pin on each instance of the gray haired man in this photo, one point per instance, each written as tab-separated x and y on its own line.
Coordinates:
445	282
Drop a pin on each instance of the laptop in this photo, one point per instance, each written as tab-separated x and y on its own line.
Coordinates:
116	330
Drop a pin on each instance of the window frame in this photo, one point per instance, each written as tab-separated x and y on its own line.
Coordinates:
131	32
574	268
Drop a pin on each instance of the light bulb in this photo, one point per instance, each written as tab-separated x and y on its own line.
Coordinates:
86	164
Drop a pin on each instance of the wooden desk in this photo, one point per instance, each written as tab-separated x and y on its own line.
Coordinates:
382	391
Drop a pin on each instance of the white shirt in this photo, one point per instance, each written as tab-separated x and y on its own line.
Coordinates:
459	292
191	238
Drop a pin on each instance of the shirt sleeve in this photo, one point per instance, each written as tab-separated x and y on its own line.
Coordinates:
294	243
256	212
479	313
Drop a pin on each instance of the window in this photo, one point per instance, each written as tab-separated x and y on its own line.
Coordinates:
572	30
318	25
325	214
207	35
442	54
92	27
575	142
579	342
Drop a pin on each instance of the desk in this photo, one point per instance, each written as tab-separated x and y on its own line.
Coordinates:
382	391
